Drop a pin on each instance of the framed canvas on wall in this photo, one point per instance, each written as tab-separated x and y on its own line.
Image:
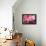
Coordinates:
28	18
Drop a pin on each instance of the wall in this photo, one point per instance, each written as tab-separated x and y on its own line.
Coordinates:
29	31
43	22
6	16
6	13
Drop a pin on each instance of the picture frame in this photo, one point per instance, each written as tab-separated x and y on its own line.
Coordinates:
29	18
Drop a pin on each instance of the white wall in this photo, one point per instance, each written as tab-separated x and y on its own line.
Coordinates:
29	31
43	22
6	13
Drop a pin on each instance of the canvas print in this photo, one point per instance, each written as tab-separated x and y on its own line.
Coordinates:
28	18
